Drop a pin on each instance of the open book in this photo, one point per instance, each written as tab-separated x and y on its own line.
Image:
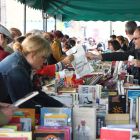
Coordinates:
25	98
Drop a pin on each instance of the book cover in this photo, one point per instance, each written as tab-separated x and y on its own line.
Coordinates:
50	135
13	138
84	123
27	122
37	119
10	126
55	111
48	130
117	104
29	113
106	93
87	89
17	134
55	120
118	117
100	122
6	130
85	98
116	134
24	99
16	124
122	124
133	94
56	127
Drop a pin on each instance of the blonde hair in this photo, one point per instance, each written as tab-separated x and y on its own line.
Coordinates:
33	44
126	42
15	32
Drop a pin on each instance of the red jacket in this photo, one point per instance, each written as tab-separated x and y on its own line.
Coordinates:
47	70
3	53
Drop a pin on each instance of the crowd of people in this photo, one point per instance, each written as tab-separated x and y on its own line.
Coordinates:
24	59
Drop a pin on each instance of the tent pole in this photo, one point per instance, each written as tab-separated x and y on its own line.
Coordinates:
72	18
111	28
57	9
55	22
24	16
46	23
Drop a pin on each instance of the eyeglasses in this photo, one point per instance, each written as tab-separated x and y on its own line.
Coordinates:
44	58
136	38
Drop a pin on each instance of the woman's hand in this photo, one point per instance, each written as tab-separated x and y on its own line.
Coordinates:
68	59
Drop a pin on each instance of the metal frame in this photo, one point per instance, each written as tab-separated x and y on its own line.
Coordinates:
57	9
72	18
24	16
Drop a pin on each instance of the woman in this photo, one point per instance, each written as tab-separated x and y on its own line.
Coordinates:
66	47
17	70
114	46
51	69
15	34
123	42
56	46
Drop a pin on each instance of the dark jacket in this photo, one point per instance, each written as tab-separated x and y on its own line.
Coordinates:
124	47
133	70
3	90
16	73
122	56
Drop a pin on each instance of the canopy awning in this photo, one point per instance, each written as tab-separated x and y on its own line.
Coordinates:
118	10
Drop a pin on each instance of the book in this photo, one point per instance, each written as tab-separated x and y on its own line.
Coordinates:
139	114
13	138
105	93
28	113
56	110
117	104
40	128
84	123
100	122
26	121
56	135
80	62
6	130
131	124
112	117
55	120
130	100
25	98
115	134
10	126
17	134
85	98
87	89
16	124
133	94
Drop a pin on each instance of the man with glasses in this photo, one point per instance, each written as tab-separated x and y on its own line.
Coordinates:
130	27
5	38
122	56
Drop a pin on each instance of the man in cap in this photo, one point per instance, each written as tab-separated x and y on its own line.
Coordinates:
5	38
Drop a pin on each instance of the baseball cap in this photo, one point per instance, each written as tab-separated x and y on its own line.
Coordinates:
4	31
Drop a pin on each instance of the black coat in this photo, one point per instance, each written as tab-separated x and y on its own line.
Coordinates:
4	95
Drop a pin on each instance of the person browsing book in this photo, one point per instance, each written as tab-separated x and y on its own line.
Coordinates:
83	131
6	113
17	70
117	56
